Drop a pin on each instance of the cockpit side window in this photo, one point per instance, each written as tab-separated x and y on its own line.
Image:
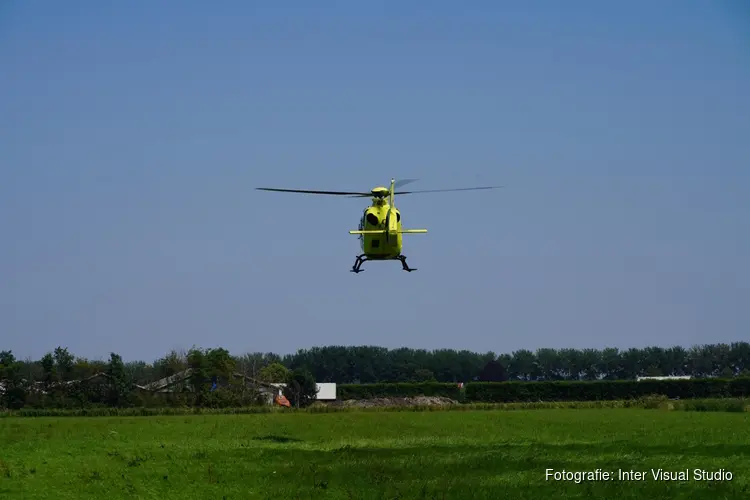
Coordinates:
372	219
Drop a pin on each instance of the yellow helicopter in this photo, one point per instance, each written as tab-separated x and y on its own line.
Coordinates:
380	226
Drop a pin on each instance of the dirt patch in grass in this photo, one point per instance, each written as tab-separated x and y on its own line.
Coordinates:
391	402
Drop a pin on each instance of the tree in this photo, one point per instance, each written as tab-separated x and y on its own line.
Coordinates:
549	364
740	356
196	360
610	363
523	365
219	363
7	358
654	371
173	362
424	375
301	388
139	372
14	394
493	371
119	383
64	362
274	373
249	365
632	364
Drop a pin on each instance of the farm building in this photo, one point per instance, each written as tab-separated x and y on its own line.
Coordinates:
269	391
326	391
179	382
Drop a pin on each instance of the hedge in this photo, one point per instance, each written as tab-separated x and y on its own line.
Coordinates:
507	392
511	392
473	392
397	390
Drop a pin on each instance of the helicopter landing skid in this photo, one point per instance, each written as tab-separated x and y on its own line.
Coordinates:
361	259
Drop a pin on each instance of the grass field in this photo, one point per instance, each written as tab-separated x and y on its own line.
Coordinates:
466	454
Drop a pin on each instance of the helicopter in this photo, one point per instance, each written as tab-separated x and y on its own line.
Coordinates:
380	231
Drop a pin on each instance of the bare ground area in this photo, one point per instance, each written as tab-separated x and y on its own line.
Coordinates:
383	402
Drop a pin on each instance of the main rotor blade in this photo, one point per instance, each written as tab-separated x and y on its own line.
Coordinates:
395	185
446	190
308	191
403	182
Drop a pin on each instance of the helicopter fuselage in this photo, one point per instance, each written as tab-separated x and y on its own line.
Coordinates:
381	216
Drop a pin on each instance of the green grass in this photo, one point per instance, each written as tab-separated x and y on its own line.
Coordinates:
649	402
441	454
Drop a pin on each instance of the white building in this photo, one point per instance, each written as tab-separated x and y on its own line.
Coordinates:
326	391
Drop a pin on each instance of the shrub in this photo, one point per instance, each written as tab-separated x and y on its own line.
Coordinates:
499	392
398	390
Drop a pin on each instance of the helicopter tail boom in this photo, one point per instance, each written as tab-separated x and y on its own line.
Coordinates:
382	231
371	231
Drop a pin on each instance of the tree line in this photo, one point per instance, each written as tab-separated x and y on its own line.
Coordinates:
372	364
61	380
59	377
368	364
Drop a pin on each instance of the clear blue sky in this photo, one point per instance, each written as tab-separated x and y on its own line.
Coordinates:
133	134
